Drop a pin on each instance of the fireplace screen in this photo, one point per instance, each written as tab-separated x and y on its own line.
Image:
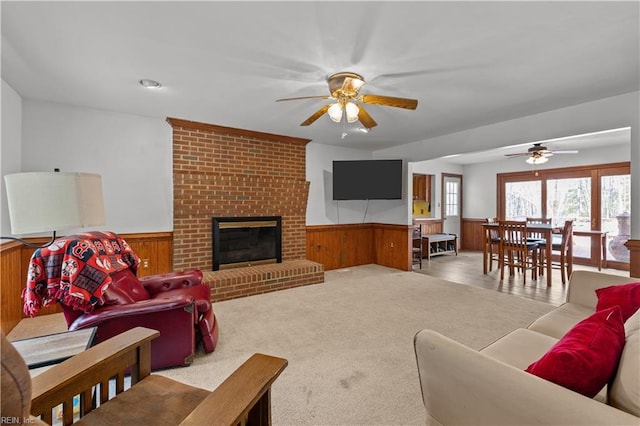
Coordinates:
246	241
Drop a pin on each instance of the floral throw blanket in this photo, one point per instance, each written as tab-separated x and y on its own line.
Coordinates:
75	270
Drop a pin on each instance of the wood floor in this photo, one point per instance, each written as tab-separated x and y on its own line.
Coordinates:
466	268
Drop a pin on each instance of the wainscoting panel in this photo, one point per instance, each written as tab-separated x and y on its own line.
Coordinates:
157	248
393	246
472	234
342	246
429	226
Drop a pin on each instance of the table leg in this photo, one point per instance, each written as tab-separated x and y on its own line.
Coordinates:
548	249
485	248
603	246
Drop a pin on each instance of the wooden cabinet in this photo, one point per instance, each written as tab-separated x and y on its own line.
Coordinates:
422	188
419	187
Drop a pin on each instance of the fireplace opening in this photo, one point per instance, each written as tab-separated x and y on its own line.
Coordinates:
246	241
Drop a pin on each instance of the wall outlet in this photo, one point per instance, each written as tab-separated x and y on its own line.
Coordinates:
145	263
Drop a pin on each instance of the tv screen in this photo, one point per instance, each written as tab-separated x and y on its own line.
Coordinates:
367	180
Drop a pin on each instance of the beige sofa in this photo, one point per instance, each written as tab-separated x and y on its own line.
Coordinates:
463	386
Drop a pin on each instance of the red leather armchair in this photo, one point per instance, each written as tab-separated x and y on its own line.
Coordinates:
93	277
176	304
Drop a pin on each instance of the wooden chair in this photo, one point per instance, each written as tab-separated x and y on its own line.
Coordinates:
539	238
244	398
493	243
560	246
515	251
416	248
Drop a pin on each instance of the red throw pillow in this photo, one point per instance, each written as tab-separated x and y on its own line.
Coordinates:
627	296
586	358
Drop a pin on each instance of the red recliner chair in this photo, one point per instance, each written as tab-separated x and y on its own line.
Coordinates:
92	275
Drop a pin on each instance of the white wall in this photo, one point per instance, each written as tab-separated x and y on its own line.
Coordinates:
132	153
480	180
436	168
322	209
10	153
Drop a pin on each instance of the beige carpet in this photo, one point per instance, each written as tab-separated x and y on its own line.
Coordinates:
349	342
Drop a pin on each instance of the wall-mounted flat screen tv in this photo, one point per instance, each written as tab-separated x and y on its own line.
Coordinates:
367	180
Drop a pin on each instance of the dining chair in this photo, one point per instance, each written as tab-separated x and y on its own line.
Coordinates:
538	237
492	243
515	251
560	245
417	245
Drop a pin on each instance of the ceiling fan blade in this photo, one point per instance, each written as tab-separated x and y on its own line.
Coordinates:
303	97
315	116
520	154
389	101
365	118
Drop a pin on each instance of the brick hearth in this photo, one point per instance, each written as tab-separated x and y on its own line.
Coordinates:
222	171
240	282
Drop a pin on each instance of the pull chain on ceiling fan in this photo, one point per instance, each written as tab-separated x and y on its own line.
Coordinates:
344	88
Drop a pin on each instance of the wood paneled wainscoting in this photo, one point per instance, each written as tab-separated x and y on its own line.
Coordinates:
472	234
155	249
342	246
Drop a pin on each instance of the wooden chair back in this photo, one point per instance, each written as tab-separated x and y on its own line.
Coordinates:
516	251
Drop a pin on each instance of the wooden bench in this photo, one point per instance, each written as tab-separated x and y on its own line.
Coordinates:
437	244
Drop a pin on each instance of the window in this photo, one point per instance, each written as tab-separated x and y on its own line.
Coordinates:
451	207
523	199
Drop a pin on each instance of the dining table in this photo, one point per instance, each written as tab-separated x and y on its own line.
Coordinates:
545	229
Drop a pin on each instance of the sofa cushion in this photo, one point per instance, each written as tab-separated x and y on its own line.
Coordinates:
624	391
520	348
586	358
626	296
559	321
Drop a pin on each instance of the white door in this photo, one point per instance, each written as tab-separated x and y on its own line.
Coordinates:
451	203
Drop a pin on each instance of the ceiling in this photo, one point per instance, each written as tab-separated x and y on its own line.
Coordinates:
467	63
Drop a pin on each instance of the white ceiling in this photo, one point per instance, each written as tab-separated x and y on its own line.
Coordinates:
468	63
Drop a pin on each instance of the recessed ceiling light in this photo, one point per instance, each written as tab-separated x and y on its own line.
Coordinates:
150	84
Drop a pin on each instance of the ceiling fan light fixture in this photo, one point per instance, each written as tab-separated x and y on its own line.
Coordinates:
352	111
537	160
335	112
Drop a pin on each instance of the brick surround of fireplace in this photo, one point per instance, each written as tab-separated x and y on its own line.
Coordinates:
222	171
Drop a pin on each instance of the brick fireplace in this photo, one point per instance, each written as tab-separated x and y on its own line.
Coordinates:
226	172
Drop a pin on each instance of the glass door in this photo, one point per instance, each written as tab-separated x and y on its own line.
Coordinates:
615	204
570	199
451	203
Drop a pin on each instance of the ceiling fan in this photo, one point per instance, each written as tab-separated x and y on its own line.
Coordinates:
539	154
347	103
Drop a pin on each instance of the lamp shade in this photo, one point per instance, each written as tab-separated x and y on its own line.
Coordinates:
352	111
537	160
52	201
335	112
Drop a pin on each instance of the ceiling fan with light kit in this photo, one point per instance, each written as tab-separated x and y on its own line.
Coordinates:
347	103
539	154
